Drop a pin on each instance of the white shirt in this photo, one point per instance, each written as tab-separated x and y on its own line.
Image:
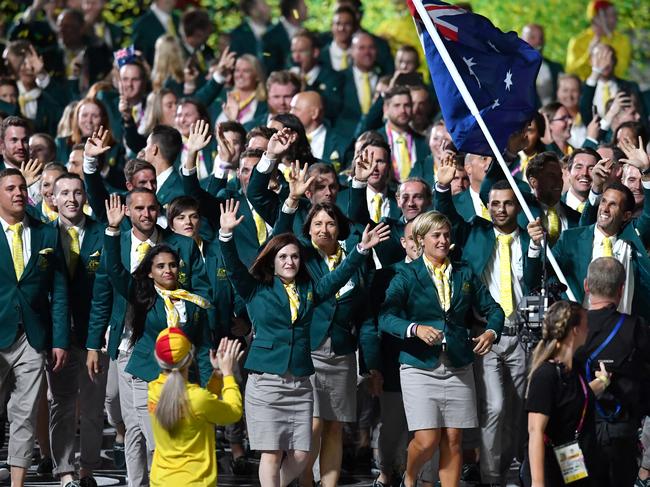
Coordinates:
27	239
179	304
598	95
247	117
572	200
318	141
31	100
621	251
258	29
492	272
66	240
162	16
358	81
336	56
544	84
289	27
477	203
162	178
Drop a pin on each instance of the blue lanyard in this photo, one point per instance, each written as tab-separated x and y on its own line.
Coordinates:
595	353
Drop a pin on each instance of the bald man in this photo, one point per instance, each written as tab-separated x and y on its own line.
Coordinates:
326	144
546	82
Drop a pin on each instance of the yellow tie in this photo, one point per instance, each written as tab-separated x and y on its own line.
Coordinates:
49	212
74	250
100	30
505	274
200	59
310	137
524	159
607	247
260	226
553	225
366	93
171	28
485	214
607	94
23	100
333	261
404	157
294	300
173	318
142	250
344	61
377	202
441	282
17	248
581	207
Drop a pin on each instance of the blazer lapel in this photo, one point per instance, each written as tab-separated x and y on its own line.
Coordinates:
457	283
36	247
425	280
125	250
6	263
279	290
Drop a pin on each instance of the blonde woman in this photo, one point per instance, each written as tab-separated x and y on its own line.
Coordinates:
184	415
168	64
560	402
425	305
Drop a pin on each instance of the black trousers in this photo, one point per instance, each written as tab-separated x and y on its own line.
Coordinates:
618	446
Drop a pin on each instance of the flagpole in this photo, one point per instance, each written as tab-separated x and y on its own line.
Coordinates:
469	101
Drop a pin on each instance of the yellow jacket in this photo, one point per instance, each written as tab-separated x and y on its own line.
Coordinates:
399	31
577	57
187	456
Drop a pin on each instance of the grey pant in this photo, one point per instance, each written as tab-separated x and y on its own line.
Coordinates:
645	441
21	377
139	442
66	386
392	432
112	399
501	382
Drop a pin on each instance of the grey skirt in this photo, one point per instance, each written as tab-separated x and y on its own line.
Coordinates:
335	384
279	412
444	397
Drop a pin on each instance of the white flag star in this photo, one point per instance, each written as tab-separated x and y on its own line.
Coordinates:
495	104
493	46
508	80
470	63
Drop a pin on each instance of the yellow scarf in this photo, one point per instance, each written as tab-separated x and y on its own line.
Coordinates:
173	318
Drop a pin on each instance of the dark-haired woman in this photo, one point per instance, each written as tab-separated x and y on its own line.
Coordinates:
281	298
560	402
336	324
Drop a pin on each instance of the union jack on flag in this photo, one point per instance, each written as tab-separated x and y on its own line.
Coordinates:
499	70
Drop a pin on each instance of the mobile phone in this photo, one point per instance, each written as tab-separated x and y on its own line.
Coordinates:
409	79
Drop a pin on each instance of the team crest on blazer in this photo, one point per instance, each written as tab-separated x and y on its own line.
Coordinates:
467	287
197	317
182	277
310	296
93	262
221	273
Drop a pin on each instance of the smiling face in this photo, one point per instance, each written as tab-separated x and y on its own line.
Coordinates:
164	271
399	110
436	243
169	106
69	198
13	197
15	145
580	173
324	189
568	92
561	124
245	77
324	231
611	212
47	185
143	211
413	199
89	118
286	263
186	115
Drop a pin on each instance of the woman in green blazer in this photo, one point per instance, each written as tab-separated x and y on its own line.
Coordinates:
425	305
281	298
340	323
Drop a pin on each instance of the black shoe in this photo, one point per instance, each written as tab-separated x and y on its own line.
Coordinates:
45	466
239	466
88	482
470	473
119	460
74	483
377	483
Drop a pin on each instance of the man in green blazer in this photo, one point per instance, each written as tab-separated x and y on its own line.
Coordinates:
246	38
407	147
276	42
34	315
326	144
108	310
81	239
155	22
547	78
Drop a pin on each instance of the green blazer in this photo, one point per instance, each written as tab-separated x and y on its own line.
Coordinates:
243	41
423	168
142	363
48	114
412	298
172	188
464	205
350	115
345	318
80	284
146	30
329	84
280	346
334	150
384	55
276	48
108	309
357	207
38	301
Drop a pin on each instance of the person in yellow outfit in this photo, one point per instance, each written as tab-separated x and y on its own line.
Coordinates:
602	15
184	414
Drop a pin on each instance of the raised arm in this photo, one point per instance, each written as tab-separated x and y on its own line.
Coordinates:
96	146
364	165
298	185
119	276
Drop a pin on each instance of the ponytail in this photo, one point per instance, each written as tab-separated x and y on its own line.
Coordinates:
559	320
173	404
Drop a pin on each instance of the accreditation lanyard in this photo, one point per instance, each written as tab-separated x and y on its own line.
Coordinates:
409	147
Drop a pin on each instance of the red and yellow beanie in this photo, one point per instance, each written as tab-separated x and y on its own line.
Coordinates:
172	346
595	6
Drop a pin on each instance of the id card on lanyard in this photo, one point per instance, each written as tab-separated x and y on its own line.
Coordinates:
569	456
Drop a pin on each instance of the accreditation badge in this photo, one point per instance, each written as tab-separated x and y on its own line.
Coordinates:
572	462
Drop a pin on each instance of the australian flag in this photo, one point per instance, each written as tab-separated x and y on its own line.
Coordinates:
499	70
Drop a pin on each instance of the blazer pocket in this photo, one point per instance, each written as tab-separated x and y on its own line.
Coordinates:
268	344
